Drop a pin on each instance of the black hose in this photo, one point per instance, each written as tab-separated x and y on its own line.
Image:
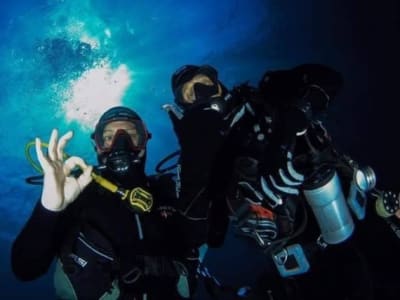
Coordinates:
35	180
164	160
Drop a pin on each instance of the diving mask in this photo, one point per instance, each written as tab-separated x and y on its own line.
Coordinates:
133	138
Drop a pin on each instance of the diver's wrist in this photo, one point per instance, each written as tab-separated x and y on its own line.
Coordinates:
50	206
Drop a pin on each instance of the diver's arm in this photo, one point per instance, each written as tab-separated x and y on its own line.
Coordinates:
198	151
35	247
200	136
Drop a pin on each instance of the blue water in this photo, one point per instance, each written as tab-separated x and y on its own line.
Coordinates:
63	62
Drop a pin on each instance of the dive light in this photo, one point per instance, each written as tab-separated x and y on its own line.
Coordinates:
364	180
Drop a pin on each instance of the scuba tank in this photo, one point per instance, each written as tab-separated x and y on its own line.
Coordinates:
330	207
326	199
328	204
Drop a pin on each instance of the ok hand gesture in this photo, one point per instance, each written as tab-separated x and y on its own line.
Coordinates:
60	188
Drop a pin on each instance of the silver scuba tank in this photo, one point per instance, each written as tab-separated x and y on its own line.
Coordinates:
328	203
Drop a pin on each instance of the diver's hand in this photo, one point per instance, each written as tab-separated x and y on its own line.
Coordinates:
60	188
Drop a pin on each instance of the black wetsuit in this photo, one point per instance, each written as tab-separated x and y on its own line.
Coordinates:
148	242
200	133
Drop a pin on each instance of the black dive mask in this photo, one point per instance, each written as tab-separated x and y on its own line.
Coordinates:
315	103
123	164
204	92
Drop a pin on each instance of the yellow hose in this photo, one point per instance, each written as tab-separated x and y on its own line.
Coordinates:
104	183
28	156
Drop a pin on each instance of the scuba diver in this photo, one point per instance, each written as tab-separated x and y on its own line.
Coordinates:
270	167
200	116
111	228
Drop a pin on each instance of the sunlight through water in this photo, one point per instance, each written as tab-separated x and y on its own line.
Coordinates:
96	90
